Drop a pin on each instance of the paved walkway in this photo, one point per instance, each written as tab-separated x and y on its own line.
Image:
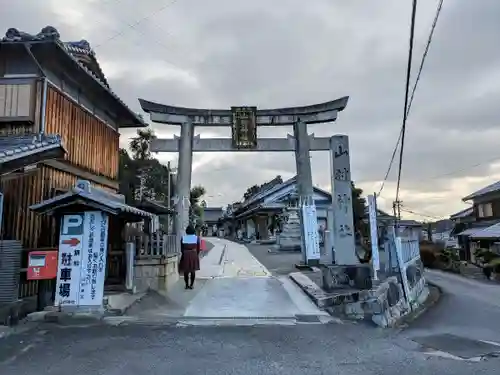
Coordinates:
233	285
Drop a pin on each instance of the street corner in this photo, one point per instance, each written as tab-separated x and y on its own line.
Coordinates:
435	293
311	289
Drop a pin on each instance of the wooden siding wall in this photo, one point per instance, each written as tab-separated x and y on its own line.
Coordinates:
90	144
19	222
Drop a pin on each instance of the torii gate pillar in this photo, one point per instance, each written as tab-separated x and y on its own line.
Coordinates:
184	177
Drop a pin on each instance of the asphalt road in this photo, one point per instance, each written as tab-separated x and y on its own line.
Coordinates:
468	308
278	263
302	349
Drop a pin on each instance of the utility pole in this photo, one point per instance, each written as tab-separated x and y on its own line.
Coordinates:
396	209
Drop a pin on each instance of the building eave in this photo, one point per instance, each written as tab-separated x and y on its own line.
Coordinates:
17	152
128	118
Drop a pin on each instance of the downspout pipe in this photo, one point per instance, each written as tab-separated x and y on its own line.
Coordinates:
43	106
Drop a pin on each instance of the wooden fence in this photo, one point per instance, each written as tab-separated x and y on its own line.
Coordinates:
155	245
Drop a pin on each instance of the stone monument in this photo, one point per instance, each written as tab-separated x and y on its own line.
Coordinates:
291	235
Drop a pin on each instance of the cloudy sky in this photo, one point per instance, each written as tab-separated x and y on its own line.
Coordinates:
219	53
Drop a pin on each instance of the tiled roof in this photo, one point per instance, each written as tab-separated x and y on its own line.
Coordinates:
409	223
80	52
466	212
85	56
267	192
493	188
492	231
114	202
18	146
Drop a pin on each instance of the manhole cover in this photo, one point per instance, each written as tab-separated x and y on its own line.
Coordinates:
457	346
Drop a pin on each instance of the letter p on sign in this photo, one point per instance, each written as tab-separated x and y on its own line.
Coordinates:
70	223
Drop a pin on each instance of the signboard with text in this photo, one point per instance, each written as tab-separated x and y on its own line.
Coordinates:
244	129
372	213
310	220
82	259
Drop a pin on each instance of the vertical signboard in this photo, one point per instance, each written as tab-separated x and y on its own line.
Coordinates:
344	233
244	130
82	259
310	223
372	212
69	264
93	258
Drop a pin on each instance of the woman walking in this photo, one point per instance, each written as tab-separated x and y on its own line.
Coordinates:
190	256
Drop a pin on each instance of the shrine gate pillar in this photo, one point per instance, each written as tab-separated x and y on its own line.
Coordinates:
184	177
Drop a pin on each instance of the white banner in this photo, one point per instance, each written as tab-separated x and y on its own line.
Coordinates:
69	262
372	212
94	251
310	219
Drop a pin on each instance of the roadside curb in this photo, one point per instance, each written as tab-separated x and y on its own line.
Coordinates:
435	293
312	290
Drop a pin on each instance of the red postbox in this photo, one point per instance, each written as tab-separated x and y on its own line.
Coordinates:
42	265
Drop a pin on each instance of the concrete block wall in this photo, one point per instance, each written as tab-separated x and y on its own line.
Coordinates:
156	273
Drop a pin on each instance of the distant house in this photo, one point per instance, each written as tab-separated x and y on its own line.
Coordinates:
211	217
407	228
257	214
440	232
479	225
410	229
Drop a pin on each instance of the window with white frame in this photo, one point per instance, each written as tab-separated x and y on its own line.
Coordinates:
485	210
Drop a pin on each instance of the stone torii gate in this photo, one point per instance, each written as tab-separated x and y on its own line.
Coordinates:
244	122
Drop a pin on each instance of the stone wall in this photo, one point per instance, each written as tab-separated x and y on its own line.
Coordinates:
384	304
156	273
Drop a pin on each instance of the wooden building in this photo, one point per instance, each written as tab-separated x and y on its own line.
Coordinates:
258	213
56	90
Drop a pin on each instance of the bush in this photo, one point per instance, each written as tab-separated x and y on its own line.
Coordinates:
428	257
492	266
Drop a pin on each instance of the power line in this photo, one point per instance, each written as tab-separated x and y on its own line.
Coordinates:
456	171
407	97
137	23
150	38
421	214
422	62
